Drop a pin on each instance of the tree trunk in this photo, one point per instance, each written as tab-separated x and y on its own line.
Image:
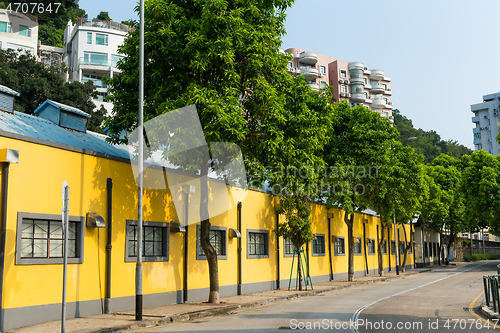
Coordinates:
205	228
350	241
380	257
471	242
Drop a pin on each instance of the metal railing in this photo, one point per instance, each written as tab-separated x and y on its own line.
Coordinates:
82	21
491	285
97	62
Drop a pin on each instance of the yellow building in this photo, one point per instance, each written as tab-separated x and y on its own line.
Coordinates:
101	270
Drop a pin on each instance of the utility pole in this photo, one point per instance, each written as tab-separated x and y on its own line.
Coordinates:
138	268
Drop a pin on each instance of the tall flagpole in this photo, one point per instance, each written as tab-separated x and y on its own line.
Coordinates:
138	269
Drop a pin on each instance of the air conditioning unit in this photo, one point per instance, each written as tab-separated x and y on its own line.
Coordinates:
346	81
341	81
485	117
495	113
348	95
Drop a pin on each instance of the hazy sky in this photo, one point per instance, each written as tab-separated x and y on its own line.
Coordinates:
441	55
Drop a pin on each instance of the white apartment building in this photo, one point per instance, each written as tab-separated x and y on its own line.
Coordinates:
486	118
91	52
18	31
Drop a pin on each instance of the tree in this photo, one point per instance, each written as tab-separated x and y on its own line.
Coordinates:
359	143
103	16
224	58
480	186
37	83
444	204
395	194
428	143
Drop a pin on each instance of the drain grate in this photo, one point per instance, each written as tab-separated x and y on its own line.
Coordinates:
284	328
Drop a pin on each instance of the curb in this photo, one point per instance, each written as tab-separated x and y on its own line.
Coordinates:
485	310
229	309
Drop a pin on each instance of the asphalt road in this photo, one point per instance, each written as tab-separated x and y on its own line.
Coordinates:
442	300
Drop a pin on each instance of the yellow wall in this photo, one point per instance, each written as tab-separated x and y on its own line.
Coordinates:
35	187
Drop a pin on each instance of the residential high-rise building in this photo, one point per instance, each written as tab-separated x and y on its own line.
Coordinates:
18	31
91	52
351	81
486	118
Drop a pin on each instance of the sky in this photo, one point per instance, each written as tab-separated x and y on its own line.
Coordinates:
441	55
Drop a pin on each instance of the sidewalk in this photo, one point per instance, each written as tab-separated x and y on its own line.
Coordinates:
119	322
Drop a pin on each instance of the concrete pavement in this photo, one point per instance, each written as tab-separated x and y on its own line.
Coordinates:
119	322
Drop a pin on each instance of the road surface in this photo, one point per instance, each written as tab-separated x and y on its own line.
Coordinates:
442	300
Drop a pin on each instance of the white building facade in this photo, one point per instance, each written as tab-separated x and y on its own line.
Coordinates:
486	119
18	31
91	53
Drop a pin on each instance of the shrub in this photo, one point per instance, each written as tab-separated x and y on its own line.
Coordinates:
475	257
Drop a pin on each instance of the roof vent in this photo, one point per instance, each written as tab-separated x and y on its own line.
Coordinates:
63	115
7	99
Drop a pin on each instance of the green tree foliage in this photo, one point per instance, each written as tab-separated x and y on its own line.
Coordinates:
428	143
37	83
480	186
51	25
103	16
224	58
444	203
360	141
397	190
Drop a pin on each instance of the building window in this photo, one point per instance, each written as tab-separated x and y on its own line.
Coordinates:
322	84
218	239
371	246
366	81
5	27
115	58
343	73
20	48
343	88
366	95
385	86
386	100
289	247
94	58
318	245
89	38
258	243
24	31
426	250
393	247
402	246
40	239
155	239
384	247
339	246
101	96
95	79
290	65
477	135
322	69
357	245
101	39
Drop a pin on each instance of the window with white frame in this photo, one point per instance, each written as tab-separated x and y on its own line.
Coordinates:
386	100
89	38
5	27
322	69
289	247
343	73
290	65
101	39
357	245
366	95
155	238
318	245
343	88
218	240
339	246
258	243
24	31
40	239
366	81
95	58
385	86
322	84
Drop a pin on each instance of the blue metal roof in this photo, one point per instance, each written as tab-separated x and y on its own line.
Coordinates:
62	107
9	91
39	128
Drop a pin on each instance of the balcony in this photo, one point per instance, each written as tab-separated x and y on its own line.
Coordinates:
104	24
377	75
358	97
475	119
477	141
313	85
378	89
356	65
378	103
310	73
310	58
357	80
476	130
388	92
